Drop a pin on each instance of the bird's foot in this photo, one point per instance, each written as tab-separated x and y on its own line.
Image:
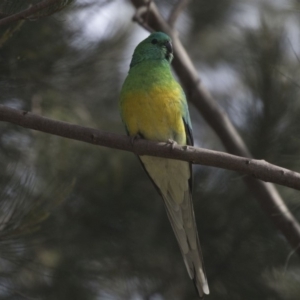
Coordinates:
133	139
172	143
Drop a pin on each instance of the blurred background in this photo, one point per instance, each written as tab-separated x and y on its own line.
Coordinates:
84	222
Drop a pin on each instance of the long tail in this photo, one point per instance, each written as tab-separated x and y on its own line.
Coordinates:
172	177
183	223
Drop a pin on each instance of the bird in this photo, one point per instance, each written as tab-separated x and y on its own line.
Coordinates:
153	106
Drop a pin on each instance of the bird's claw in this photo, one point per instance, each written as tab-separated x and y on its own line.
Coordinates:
133	139
172	143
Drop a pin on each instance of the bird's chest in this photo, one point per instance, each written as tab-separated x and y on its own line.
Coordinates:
155	113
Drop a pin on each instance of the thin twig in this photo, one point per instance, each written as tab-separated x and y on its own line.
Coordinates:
27	12
287	77
288	259
176	11
258	168
295	53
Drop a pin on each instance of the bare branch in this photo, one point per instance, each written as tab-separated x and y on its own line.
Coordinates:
265	193
138	16
27	12
176	11
258	168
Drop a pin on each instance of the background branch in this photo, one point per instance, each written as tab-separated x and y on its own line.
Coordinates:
265	193
27	12
258	168
140	13
176	11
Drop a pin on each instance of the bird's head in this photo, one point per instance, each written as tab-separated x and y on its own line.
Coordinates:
157	46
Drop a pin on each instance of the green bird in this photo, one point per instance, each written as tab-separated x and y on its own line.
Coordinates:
153	106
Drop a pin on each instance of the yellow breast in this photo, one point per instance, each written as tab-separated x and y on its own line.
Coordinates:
156	113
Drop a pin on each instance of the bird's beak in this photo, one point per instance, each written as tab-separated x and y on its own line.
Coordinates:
169	47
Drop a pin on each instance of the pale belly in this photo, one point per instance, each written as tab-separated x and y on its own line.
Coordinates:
170	176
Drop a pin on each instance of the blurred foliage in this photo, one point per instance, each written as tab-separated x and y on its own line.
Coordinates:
109	238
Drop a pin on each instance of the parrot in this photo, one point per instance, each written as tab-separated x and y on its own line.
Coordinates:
153	106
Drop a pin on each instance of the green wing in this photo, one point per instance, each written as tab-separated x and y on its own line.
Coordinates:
187	122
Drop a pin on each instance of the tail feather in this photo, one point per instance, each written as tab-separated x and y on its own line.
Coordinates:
199	277
189	244
171	178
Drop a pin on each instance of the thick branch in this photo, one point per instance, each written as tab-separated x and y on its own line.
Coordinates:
265	193
27	12
258	168
138	17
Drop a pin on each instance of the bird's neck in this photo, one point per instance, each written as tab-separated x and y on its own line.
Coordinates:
153	71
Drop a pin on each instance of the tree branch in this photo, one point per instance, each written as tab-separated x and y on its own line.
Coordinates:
258	168
265	193
139	16
27	12
176	11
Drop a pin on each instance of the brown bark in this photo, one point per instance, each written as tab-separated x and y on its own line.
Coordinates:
257	168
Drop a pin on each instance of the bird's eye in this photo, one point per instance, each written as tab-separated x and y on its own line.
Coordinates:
154	41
